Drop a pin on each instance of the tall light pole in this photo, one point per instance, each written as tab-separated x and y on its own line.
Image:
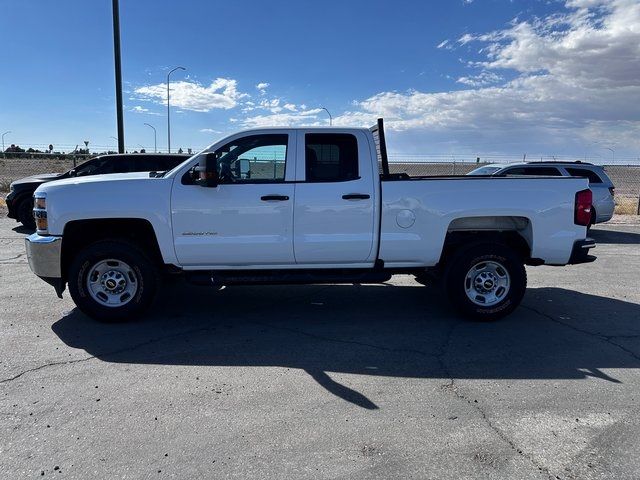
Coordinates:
8	131
155	143
329	113
169	111
118	71
613	154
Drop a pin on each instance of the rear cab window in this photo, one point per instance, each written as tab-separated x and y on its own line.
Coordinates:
331	157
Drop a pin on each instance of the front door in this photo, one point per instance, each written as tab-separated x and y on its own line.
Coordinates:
247	220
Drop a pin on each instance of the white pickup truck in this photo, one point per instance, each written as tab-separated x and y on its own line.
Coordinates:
302	205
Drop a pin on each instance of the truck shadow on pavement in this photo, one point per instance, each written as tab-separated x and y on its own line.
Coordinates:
382	330
24	230
615	237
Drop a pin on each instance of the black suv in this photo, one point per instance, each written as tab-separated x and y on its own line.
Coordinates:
20	198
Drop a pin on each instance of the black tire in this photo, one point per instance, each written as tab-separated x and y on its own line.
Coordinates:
145	278
456	282
24	212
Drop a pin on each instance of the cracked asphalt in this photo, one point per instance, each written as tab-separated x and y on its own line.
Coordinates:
339	381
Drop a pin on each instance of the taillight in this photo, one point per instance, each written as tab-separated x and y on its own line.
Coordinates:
582	214
612	191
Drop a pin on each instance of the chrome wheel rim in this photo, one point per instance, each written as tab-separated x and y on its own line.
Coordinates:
487	283
112	283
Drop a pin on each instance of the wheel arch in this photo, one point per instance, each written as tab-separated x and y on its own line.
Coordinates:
515	232
78	234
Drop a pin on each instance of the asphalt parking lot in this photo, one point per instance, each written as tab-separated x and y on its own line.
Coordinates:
337	381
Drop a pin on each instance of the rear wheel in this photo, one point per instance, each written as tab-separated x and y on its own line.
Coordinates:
112	281
486	281
24	213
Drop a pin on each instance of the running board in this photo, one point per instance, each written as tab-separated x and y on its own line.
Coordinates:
285	277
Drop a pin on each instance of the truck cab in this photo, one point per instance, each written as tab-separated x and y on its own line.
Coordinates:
321	182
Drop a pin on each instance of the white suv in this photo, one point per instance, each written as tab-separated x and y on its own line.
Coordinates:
599	183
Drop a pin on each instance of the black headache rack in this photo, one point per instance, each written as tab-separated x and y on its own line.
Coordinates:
381	148
383	160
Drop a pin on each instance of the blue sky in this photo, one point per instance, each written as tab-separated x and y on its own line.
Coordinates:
451	77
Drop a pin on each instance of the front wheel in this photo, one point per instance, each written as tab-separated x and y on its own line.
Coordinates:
112	281
486	281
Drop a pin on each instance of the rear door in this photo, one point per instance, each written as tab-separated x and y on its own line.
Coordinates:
334	198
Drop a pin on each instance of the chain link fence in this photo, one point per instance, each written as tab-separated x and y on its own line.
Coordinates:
626	178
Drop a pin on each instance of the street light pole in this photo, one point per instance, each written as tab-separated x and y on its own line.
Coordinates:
613	154
8	131
169	111
118	71
155	143
329	113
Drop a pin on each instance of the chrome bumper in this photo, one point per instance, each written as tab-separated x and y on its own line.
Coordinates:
43	253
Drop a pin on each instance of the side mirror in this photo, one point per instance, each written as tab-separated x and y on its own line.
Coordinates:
72	172
206	173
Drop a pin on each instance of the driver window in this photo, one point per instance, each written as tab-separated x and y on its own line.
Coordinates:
253	159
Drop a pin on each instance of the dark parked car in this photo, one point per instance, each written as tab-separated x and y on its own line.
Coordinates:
20	198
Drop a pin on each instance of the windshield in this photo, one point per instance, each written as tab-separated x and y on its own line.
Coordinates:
488	170
177	167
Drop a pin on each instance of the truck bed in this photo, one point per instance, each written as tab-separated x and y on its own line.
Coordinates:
423	210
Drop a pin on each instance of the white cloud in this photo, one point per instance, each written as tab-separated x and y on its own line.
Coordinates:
272	105
262	87
575	79
139	109
222	93
290	118
209	130
480	80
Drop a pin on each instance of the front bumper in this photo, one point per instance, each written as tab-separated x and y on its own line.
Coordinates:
44	255
580	251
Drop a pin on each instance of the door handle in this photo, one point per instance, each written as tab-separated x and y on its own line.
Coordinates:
271	198
356	196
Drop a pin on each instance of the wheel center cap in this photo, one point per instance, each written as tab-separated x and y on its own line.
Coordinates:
485	282
114	282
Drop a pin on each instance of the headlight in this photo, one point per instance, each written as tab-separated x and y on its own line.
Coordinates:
40	214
